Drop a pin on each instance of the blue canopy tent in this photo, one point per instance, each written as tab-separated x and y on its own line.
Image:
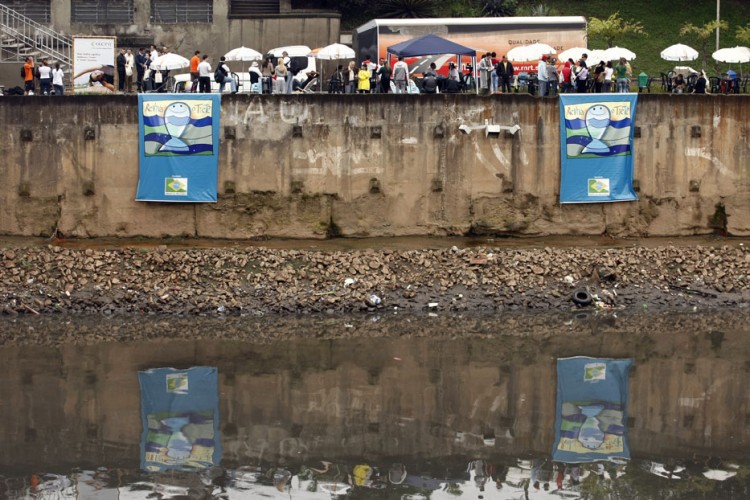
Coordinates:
428	45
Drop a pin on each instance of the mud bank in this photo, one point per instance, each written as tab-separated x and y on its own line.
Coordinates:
257	281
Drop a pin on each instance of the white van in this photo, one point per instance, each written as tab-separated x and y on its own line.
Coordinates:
298	53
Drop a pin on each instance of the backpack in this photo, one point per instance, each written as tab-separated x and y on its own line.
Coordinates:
23	72
219	75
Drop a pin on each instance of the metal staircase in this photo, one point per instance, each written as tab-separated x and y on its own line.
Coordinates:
21	36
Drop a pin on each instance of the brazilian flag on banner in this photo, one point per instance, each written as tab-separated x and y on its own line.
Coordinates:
596	132
591	417
179	147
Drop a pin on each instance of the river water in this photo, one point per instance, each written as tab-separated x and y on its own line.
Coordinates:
387	406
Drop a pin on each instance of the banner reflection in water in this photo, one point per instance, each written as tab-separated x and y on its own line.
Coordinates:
180	414
592	397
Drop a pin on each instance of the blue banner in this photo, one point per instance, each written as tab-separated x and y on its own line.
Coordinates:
591	420
596	146
179	147
180	415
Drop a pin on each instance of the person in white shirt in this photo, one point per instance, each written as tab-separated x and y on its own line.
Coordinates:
45	78
129	70
58	80
227	77
541	74
401	76
154	53
608	71
204	76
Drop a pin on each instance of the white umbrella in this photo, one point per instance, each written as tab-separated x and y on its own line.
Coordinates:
614	53
597	55
243	54
732	55
169	61
532	52
574	53
679	52
335	51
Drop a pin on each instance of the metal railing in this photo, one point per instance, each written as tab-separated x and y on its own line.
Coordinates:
21	36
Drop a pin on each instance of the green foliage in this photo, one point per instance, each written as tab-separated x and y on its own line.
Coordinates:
408	8
537	10
614	27
743	34
703	35
499	8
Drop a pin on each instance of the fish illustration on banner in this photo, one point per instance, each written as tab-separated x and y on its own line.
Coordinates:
180	415
179	147
597	147
592	397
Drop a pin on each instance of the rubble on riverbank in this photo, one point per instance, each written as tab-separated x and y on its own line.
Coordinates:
261	280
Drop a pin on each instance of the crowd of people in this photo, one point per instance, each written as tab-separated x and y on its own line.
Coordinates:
280	76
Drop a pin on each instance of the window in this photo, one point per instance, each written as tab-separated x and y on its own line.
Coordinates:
36	10
182	11
102	11
239	8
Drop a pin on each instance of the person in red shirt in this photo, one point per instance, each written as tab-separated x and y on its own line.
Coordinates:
28	78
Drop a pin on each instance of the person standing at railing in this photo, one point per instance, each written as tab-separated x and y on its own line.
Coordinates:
58	79
45	78
121	61
140	67
129	70
28	78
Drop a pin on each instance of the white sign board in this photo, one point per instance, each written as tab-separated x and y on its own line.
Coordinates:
94	65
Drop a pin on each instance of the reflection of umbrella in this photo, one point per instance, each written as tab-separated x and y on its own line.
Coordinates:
169	61
718	475
574	53
334	51
614	53
679	52
732	55
532	52
243	54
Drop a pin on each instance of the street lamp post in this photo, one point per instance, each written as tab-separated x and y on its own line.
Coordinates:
718	18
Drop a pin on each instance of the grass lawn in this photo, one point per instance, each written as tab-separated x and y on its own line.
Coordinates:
662	20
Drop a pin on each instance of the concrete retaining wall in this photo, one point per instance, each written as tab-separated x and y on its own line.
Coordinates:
310	166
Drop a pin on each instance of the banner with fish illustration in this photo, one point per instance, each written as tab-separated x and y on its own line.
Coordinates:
179	147
180	415
591	419
596	135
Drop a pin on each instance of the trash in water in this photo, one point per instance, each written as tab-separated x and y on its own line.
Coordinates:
432	305
568	279
373	300
349	281
221	309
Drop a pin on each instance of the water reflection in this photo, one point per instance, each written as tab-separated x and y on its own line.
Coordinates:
408	408
497	478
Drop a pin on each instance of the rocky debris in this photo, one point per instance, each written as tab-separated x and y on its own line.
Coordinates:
226	281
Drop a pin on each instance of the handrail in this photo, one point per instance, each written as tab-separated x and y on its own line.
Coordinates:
35	35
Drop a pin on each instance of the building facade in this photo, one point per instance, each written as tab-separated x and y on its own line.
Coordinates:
212	26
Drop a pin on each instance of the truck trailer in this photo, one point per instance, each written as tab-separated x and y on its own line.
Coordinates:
485	34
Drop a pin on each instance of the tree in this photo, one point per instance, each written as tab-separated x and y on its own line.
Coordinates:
703	34
743	34
499	8
408	8
614	27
